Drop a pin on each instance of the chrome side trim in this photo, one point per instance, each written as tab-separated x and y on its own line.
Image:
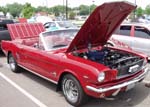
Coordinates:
55	82
137	79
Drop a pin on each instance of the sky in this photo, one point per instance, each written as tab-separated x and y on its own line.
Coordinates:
71	3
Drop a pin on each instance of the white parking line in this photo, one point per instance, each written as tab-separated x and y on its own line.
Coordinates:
36	101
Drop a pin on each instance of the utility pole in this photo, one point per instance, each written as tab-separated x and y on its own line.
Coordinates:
66	9
63	9
135	10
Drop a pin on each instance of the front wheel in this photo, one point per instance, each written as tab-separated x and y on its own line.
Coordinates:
13	64
73	91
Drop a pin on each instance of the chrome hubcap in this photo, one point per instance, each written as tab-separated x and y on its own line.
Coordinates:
12	63
70	90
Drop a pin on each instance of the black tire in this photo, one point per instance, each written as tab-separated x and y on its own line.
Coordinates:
72	88
13	64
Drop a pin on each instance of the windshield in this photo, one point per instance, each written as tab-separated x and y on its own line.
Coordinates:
57	39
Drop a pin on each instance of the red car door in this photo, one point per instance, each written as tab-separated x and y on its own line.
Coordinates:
38	61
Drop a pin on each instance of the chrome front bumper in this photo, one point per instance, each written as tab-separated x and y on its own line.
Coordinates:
137	79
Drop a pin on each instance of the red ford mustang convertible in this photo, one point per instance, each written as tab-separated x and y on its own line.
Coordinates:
78	61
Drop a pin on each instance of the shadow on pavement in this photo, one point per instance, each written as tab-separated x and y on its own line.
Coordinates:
40	80
1	54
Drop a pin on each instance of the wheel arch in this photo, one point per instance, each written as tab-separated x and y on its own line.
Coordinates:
13	54
61	77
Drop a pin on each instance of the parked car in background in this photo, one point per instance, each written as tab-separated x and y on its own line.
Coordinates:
58	25
41	19
82	66
4	34
136	35
144	19
118	44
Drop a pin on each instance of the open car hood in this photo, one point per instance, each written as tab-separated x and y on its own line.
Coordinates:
100	25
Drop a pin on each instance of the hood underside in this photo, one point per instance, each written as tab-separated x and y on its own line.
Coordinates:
101	24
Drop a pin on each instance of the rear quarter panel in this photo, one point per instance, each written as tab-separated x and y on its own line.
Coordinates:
9	46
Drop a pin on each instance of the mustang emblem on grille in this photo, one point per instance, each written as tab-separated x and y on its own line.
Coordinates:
133	69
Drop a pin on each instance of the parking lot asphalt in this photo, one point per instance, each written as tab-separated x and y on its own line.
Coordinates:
28	90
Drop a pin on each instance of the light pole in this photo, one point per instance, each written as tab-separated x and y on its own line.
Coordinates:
135	2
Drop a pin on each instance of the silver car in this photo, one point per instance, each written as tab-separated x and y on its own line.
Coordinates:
59	25
136	35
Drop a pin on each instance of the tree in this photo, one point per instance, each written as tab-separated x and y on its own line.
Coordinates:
139	12
57	10
72	15
27	11
147	10
84	10
92	7
4	10
14	9
42	9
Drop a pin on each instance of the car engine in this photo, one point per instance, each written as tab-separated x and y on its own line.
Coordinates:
125	63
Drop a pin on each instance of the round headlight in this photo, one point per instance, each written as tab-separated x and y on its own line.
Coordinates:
101	77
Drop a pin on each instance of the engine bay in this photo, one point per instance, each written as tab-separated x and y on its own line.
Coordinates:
114	59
